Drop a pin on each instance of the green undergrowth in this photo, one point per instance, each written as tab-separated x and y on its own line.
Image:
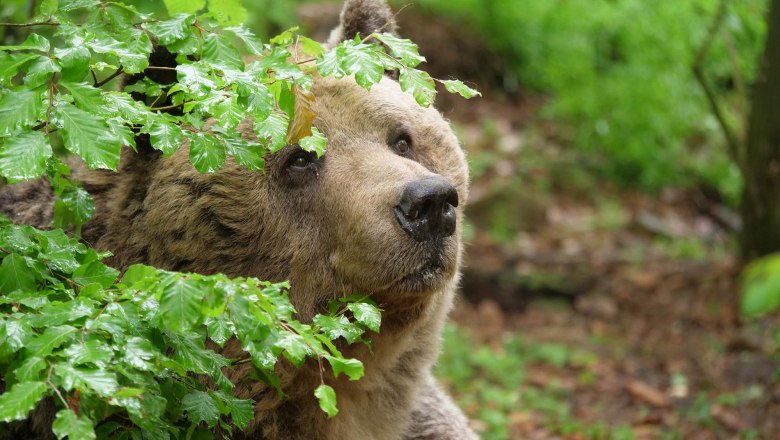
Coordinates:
493	386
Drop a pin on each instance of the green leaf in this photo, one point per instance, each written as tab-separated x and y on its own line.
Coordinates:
133	51
48	7
219	51
207	154
336	327
364	62
19	109
353	368
33	42
327	399
366	314
242	411
95	272
30	369
762	287
174	29
455	86
200	407
89	352
248	154
273	130
184	6
315	143
11	63
87	135
180	304
74	62
419	84
40	72
249	39
17	333
166	137
310	47
23	156
402	49
86	97
77	202
16	403
138	353
219	330
16	275
228	12
100	381
295	348
51	338
68	424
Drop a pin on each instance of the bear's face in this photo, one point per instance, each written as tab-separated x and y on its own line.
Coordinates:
378	214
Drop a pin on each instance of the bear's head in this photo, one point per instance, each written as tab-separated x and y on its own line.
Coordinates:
378	214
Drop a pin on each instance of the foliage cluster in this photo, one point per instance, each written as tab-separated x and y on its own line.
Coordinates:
762	289
620	73
108	350
122	357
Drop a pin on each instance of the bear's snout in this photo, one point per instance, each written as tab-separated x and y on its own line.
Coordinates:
426	210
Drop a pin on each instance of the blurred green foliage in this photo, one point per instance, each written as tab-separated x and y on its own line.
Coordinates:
620	73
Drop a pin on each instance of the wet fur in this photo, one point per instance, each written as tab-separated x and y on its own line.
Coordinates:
330	234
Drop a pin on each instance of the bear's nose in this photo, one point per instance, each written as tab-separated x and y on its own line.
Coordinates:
426	210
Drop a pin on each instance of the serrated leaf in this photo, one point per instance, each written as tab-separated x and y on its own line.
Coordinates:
327	399
74	62
249	39
89	352
419	84
23	156
219	51
310	47
77	202
51	338
366	314
17	402
95	272
17	333
10	63
30	369
303	115
184	6
85	96
245	153
32	42
353	368
455	86
102	382
229	12
39	72
166	137
364	62
48	7
295	348
315	143
180	304
16	275
273	130
219	330
132	52
138	353
68	424
200	407
207	153
402	49
336	327
19	109
87	135
195	79
174	29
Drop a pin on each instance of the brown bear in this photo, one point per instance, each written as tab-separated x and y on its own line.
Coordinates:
378	214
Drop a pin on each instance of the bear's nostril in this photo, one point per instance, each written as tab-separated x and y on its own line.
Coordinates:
427	208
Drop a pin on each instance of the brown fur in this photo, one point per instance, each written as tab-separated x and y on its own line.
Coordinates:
331	233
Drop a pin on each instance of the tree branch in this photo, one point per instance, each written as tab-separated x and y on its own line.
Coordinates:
118	72
698	70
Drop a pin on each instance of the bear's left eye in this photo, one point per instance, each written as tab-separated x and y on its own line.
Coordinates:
403	144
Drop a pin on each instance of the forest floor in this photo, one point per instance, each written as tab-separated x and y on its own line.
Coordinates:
590	311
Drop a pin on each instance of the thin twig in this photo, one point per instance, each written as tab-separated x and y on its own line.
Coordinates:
118	72
167	107
698	71
159	68
39	23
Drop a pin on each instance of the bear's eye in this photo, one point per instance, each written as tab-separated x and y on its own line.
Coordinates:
301	160
403	144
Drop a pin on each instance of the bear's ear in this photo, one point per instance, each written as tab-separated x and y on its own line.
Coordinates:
362	17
